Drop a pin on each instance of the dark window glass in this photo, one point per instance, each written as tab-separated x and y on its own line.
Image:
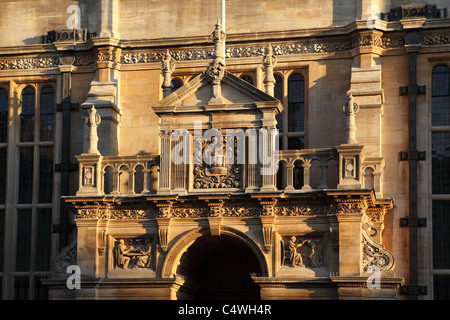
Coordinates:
27	115
45	174
47	114
296	103
440	147
2	237
278	93
43	243
3	154
26	175
441	285
298	175
3	115
21	288
176	84
23	240
40	290
247	79
296	143
440	96
441	234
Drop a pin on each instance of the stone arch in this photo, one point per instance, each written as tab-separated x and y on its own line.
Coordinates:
173	258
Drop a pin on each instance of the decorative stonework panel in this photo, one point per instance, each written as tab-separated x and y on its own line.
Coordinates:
302	252
133	253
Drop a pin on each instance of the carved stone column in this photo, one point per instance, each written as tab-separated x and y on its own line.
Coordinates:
351	109
216	69
269	62
93	120
167	67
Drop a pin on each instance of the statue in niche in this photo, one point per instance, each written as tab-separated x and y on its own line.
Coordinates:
137	254
305	253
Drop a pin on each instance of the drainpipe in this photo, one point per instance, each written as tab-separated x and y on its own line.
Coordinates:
65	167
412	45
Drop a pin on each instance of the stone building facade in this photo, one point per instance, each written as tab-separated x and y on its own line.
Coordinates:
153	150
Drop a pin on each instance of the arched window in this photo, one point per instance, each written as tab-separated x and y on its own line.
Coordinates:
27	115
47	114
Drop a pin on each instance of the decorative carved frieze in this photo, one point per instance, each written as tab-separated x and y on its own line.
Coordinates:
69	35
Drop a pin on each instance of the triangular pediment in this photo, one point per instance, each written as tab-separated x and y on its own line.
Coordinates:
197	94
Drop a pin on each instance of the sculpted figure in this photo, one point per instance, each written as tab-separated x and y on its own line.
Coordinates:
294	256
120	252
143	261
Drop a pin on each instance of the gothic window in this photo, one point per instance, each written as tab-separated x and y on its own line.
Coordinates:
440	177
27	115
47	114
3	115
35	200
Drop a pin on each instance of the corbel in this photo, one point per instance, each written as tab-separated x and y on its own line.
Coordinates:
215	217
267	218
163	219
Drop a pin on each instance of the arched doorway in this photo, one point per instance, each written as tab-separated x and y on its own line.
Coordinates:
219	268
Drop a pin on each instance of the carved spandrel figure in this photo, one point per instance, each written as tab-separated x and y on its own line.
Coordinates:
295	257
120	254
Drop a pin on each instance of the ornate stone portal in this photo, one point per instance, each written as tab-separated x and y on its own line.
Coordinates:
138	240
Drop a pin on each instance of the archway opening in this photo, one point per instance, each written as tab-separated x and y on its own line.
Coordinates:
220	268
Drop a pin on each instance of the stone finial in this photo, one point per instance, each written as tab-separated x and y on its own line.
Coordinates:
351	109
269	61
93	120
167	67
216	69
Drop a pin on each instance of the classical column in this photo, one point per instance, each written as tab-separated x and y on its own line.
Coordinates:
167	67
269	62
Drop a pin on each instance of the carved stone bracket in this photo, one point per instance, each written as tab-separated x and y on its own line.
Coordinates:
267	223
374	253
163	233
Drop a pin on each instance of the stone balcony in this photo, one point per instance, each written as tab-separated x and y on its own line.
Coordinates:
303	170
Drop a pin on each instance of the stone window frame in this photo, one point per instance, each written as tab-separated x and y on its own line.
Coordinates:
28	280
284	134
434	196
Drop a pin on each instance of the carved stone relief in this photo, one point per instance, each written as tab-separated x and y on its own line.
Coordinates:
302	252
133	253
218	174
